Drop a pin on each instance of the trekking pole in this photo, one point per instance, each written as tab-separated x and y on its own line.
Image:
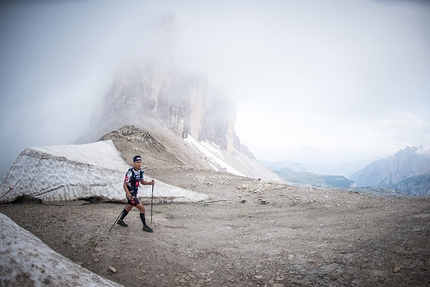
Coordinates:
152	199
117	219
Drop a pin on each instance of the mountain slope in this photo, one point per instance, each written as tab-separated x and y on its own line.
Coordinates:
297	174
161	149
417	185
410	164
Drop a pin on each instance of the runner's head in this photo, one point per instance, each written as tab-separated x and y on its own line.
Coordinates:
137	162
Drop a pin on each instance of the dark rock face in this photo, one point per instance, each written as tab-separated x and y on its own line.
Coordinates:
180	102
408	171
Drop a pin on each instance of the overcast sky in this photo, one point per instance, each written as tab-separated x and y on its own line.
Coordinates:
344	77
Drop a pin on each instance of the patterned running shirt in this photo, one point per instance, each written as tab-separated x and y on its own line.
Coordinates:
133	178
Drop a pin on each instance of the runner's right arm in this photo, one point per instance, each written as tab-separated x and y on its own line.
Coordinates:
127	193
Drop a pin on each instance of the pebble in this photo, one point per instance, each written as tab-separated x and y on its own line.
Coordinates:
396	269
112	269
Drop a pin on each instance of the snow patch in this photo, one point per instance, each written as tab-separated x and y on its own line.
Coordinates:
215	153
27	261
69	172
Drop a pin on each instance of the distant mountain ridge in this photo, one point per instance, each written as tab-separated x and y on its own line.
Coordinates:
417	185
297	174
407	171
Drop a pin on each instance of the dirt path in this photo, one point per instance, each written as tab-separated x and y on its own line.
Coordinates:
301	237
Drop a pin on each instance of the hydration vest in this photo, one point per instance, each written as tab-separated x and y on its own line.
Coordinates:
133	182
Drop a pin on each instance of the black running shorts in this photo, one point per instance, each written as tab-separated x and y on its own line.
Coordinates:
133	200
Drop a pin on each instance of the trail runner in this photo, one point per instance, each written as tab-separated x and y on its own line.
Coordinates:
133	179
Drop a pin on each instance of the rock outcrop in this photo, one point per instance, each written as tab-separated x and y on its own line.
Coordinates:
140	96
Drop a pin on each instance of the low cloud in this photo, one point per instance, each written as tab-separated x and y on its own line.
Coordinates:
306	73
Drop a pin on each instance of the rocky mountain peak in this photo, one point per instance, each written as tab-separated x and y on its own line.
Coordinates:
389	172
176	108
149	87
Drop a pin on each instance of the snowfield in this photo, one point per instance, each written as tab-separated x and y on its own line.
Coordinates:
70	172
27	261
